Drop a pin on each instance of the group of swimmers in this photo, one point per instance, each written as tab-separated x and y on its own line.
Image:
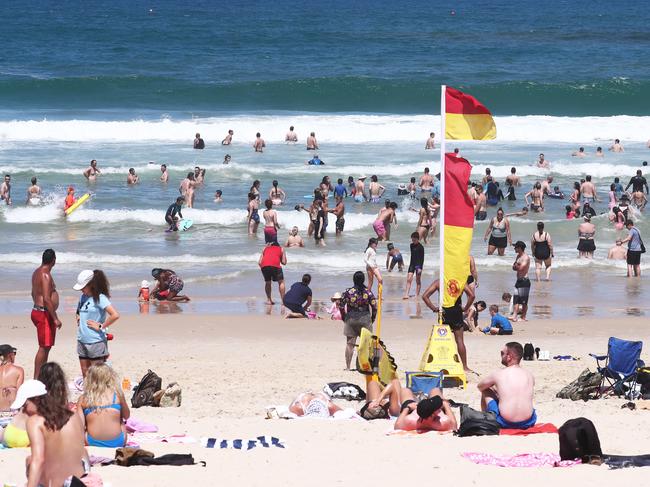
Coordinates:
259	144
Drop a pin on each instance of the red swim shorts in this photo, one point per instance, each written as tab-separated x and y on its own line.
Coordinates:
45	329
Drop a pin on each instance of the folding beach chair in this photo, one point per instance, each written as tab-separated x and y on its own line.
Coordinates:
619	367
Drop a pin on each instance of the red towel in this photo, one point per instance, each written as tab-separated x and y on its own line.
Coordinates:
538	428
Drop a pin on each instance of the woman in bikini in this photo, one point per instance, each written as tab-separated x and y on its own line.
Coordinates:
253	213
270	222
255	189
586	233
376	190
424	221
499	232
541	246
575	196
277	195
103	408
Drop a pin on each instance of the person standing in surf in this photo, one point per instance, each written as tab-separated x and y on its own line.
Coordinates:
92	172
173	210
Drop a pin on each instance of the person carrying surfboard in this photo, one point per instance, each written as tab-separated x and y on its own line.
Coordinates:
173	210
69	199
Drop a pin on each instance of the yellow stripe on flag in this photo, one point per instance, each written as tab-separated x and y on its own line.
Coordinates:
458	241
459	126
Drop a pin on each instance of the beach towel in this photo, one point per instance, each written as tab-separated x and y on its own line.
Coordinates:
520	460
538	428
243	444
134	425
282	412
414	433
565	357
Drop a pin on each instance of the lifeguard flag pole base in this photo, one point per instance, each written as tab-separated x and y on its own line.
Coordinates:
441	354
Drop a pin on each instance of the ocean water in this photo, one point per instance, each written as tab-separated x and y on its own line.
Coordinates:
130	83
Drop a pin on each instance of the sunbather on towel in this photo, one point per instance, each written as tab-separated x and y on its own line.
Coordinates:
508	392
382	402
430	414
314	405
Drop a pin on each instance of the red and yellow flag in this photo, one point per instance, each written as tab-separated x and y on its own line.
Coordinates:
459	224
466	118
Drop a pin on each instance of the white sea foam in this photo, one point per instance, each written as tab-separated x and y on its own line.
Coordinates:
353	128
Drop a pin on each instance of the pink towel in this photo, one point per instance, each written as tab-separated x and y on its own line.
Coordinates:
136	426
521	460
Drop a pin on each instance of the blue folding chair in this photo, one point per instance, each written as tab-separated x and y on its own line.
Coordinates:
619	367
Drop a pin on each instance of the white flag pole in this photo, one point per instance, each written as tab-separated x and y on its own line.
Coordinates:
441	216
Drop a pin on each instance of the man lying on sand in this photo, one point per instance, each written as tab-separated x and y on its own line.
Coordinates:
430	414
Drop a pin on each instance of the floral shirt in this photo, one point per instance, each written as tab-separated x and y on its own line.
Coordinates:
358	299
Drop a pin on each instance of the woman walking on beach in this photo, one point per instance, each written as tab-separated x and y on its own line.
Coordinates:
499	232
359	309
253	217
586	233
541	246
271	262
95	314
103	408
370	259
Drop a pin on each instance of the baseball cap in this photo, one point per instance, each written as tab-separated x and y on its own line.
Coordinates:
6	349
83	279
428	406
520	244
30	388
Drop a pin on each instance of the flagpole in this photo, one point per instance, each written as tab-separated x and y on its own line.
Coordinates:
441	215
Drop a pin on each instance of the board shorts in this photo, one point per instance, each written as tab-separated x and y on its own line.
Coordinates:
355	321
271	273
295	308
92	351
634	257
175	284
340	223
45	329
270	234
498	242
481	215
453	317
378	227
504	332
359	198
493	407
522	290
415	269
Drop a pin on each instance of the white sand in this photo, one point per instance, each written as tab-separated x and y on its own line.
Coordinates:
230	368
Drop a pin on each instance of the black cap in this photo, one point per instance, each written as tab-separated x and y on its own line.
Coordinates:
429	406
519	244
6	349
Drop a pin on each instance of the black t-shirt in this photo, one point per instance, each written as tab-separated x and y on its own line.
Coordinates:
417	255
298	294
173	209
199	144
638	183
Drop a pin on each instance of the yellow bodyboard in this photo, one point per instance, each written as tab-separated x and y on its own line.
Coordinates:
77	204
365	354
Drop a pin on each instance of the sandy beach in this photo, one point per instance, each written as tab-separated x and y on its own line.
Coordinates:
231	367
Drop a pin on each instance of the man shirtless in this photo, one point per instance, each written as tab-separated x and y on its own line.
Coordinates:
430	414
312	143
588	191
294	239
291	136
542	162
579	153
92	172
46	302
546	186
536	194
426	183
512	178
5	190
11	376
487	177
508	393
522	285
339	212
617	252
384	218
430	142
259	143
132	178
34	193
228	139
480	204
616	146
164	177
639	200
360	190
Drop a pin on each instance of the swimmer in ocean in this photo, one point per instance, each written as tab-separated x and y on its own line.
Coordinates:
228	138
92	172
253	214
69	199
198	142
132	177
542	162
579	153
226	159
360	190
430	142
480	207
339	212
426	183
291	136
376	190
5	190
164	177
218	196
171	214
294	239
34	193
616	146
394	257
312	144
277	194
599	152
259	143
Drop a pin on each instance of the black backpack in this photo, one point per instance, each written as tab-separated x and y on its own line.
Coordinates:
144	392
477	423
579	439
529	352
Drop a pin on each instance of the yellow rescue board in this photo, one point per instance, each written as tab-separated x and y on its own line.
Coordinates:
77	204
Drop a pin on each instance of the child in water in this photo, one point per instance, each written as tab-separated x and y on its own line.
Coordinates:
394	257
69	199
143	294
218	196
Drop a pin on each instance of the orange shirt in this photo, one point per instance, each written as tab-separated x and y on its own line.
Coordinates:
69	200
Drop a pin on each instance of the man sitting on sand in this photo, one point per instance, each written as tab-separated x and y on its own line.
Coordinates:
430	414
298	298
508	393
11	376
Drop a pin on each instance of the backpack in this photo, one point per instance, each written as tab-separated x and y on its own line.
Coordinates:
579	439
145	390
583	387
529	352
477	423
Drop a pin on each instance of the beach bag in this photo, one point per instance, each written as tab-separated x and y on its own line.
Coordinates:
579	439
477	423
583	387
170	397
529	352
344	390
145	390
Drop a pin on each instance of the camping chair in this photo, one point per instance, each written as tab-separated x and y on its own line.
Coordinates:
619	366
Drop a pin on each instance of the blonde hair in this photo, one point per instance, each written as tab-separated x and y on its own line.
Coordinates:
99	379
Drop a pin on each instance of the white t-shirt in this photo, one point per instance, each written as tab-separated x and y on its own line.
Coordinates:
370	258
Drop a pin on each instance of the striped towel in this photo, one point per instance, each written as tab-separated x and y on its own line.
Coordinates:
243	444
